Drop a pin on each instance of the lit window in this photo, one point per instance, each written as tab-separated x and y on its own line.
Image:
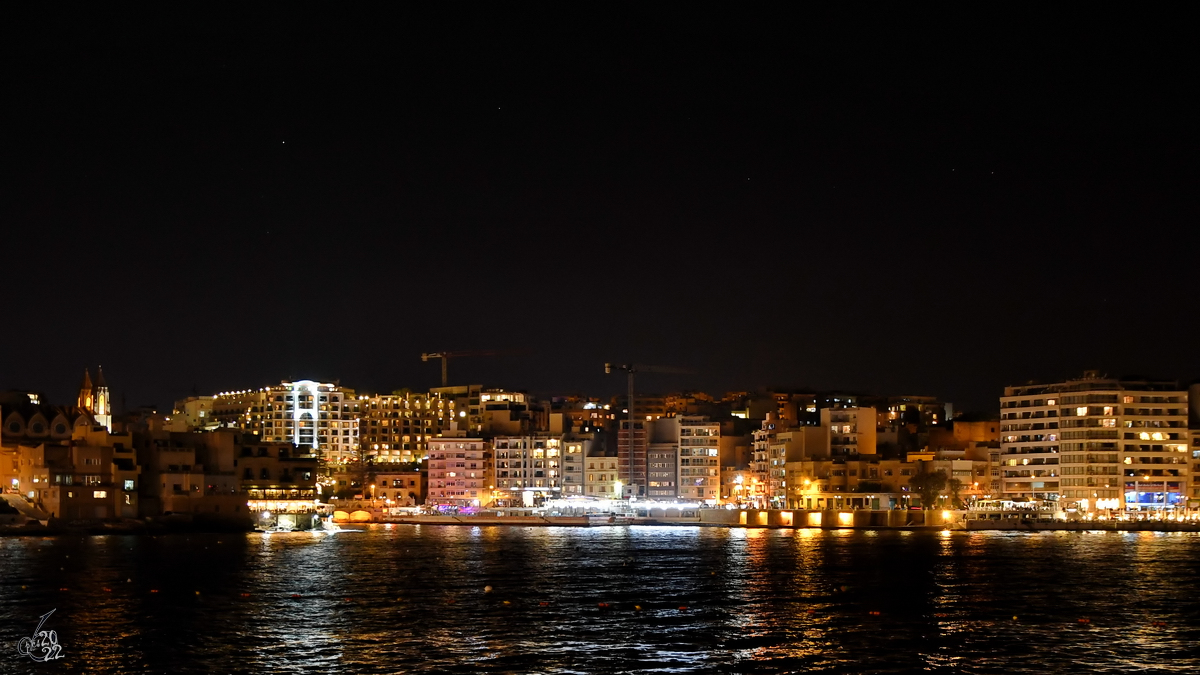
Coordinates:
99	494
1081	411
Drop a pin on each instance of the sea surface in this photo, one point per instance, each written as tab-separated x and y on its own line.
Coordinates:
416	599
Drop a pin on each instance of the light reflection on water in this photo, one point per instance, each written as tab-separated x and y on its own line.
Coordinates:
411	599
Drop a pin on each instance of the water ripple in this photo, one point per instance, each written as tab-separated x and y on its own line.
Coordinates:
412	599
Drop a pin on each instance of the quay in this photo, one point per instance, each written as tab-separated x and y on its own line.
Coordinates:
856	519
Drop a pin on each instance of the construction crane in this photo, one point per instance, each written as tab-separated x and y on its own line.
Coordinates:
446	356
632	368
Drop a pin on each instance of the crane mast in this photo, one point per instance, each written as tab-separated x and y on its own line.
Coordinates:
630	369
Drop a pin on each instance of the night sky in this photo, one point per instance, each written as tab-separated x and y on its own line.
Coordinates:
920	203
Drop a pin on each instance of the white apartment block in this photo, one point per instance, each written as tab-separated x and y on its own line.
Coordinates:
601	478
316	415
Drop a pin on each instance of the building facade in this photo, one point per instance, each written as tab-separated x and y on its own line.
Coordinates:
1097	443
319	416
528	464
699	464
460	472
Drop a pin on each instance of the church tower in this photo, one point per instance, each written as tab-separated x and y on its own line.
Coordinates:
102	400
96	399
85	391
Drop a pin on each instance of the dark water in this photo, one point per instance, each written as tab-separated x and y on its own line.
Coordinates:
406	599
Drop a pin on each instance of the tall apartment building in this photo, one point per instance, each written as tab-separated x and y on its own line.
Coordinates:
760	459
1097	443
699	463
575	449
632	443
460	471
662	470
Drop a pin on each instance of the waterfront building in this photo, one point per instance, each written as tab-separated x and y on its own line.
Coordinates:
864	482
793	445
739	487
194	473
93	475
662	470
575	449
601	477
528	464
460	471
279	480
387	485
760	457
633	439
699	444
1096	443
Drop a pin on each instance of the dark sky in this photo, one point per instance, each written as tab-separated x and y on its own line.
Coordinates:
927	203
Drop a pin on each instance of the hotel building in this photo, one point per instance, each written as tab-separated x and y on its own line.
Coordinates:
1097	443
398	427
321	416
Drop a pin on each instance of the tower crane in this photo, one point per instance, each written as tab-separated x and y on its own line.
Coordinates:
632	368
446	356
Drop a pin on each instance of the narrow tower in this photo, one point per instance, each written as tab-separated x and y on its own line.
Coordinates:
103	402
85	391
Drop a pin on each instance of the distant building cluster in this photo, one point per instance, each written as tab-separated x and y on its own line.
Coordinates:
1093	444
